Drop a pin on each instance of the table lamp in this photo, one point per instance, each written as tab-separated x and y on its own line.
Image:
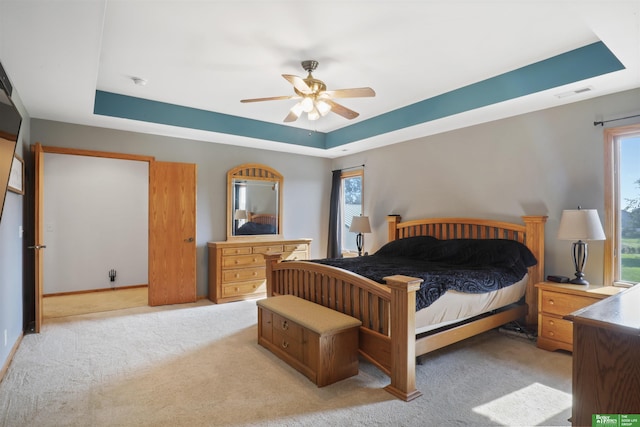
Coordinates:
580	225
360	225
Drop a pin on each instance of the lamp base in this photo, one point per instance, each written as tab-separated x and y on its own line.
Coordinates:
580	254
359	243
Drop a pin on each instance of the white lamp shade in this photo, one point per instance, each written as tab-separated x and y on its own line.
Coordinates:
580	224
360	224
240	214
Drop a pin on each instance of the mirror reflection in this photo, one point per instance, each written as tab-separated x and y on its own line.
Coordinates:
254	201
255	207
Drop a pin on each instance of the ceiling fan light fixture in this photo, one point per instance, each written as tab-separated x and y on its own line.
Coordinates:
313	114
307	104
297	109
323	108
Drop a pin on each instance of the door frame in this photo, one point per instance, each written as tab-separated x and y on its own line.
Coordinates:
39	177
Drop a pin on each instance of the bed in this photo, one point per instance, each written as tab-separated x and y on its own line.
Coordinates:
393	334
259	224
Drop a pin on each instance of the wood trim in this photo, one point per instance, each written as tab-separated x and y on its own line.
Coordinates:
612	198
88	291
93	153
12	353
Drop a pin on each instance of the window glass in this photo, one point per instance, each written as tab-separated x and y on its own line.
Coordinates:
351	206
622	205
629	208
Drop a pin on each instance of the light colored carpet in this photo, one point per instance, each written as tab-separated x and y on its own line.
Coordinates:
199	365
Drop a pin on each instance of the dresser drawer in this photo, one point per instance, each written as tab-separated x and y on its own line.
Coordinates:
270	249
293	248
287	327
295	256
244	288
556	329
243	261
561	304
236	251
288	344
241	274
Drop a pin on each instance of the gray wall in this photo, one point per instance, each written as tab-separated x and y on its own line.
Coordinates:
306	179
11	312
534	164
96	218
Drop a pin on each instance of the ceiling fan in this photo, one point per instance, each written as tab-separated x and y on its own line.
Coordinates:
315	99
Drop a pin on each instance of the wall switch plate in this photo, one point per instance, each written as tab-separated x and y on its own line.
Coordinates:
20	232
5	337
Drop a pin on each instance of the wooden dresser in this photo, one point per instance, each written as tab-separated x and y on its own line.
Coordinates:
555	300
606	358
237	267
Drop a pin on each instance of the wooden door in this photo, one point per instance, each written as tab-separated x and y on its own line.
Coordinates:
172	232
38	231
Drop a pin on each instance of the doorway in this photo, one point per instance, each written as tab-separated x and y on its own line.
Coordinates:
166	253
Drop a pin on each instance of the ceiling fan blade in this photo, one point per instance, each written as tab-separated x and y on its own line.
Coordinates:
298	83
359	92
272	98
341	110
291	117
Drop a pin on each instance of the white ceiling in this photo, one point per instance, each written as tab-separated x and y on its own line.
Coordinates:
210	54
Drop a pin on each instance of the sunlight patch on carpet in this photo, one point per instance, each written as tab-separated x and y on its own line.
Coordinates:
531	405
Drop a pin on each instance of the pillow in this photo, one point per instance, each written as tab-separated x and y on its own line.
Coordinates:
411	247
481	252
468	252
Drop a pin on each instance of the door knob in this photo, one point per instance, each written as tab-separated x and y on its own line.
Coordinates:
189	240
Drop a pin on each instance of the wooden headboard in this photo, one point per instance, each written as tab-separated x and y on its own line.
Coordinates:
264	219
529	233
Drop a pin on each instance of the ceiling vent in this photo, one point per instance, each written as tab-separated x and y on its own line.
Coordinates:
575	92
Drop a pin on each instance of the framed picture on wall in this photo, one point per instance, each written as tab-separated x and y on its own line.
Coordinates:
16	177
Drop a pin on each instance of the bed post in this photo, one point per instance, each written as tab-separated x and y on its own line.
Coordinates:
392	222
403	338
271	260
534	231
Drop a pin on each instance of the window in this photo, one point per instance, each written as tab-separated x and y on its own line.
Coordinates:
351	205
622	205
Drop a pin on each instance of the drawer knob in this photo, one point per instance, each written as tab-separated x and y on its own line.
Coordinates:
551	333
551	302
285	344
551	322
285	325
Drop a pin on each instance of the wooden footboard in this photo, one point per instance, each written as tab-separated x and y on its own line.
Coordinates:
387	335
386	340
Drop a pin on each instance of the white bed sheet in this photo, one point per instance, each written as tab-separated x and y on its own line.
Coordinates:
456	306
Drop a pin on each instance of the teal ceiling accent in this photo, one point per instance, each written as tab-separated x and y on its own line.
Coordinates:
586	62
129	107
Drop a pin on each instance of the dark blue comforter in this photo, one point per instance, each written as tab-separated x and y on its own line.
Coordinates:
464	265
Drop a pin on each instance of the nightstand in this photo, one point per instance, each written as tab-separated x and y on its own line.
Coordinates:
555	300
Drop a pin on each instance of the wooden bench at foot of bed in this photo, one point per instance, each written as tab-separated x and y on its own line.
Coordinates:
318	342
387	335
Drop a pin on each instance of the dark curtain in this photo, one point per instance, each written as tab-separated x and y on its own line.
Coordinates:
335	231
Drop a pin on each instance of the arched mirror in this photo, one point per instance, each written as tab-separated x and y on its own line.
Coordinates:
254	202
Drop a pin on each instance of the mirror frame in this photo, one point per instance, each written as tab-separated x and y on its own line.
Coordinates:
253	172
